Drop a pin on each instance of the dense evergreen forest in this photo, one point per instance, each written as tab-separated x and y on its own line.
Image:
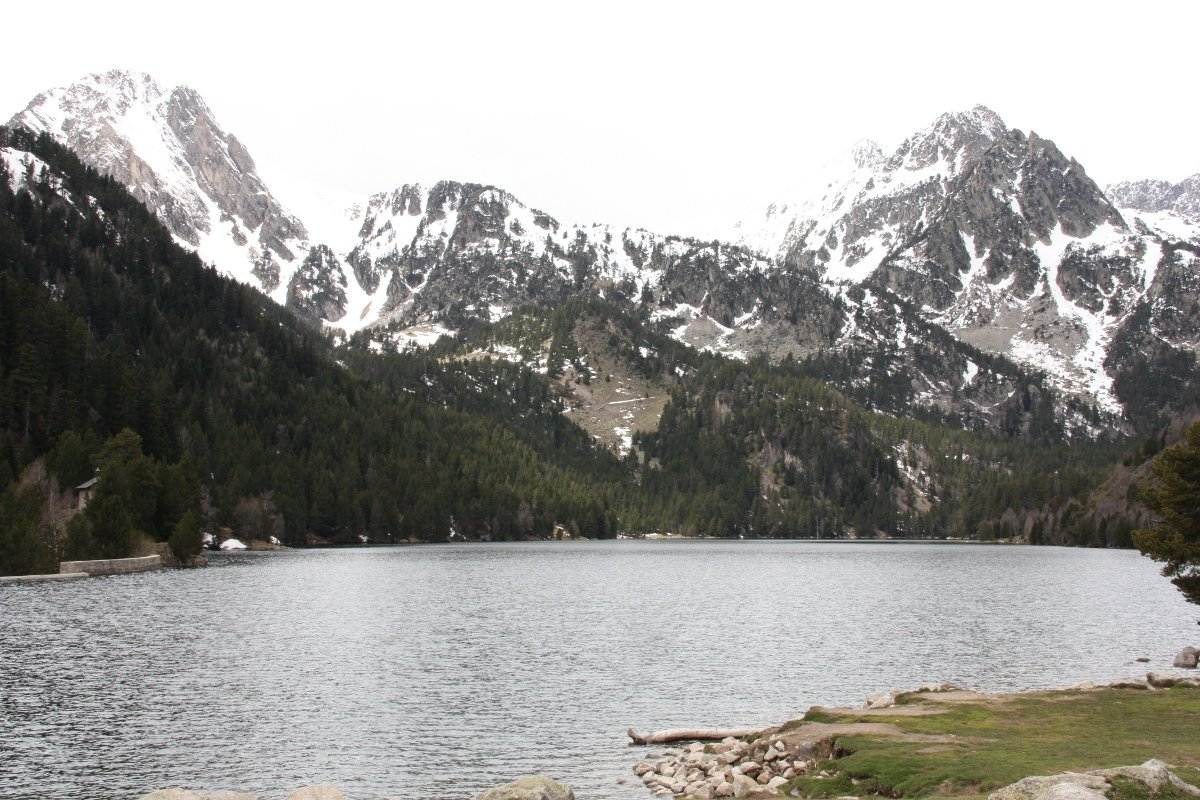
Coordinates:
761	449
107	325
200	404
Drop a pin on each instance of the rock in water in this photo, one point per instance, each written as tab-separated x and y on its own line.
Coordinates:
322	791
1187	658
530	787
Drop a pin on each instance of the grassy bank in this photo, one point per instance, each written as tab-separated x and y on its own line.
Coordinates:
964	744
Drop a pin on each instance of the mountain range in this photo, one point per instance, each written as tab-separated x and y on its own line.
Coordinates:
972	267
466	365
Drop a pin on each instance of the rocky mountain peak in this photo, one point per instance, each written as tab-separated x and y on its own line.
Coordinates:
953	137
317	290
866	154
1160	196
167	147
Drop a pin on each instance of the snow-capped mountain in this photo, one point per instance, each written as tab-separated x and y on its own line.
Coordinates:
1158	196
435	260
166	146
461	250
1171	210
953	271
999	238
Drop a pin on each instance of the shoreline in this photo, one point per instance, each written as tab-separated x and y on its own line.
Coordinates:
937	739
77	573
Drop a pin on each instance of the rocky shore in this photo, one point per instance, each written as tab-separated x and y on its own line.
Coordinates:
916	744
800	758
729	768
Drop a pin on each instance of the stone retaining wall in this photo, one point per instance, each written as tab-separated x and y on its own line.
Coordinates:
62	576
112	566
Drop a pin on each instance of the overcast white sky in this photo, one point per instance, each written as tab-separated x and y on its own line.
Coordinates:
680	117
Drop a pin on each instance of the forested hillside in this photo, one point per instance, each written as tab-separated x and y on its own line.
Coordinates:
106	324
195	398
762	449
765	450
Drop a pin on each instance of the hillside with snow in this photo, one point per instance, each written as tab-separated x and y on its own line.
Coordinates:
955	275
166	146
999	238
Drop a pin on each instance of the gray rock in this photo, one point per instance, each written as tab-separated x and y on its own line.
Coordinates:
1181	198
317	291
1155	774
1067	786
1186	658
530	787
744	785
216	170
1161	680
1092	785
883	699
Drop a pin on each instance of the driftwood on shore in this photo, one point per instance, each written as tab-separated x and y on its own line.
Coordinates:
691	735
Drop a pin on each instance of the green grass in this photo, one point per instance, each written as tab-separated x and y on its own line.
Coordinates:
995	744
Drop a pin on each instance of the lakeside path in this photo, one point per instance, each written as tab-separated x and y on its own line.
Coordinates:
948	742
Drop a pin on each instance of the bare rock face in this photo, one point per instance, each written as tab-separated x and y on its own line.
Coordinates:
1158	196
530	787
455	253
166	146
997	237
317	290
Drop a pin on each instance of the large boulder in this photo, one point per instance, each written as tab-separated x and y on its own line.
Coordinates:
1067	786
744	785
883	699
1094	785
1155	774
530	787
1161	680
1187	658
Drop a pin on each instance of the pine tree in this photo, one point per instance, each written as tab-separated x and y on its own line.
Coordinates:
1174	495
186	539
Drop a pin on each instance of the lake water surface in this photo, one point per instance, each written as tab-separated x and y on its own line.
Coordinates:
424	673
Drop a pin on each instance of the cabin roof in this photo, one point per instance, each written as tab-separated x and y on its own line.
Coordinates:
88	484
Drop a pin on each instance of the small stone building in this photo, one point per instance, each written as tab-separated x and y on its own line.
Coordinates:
84	492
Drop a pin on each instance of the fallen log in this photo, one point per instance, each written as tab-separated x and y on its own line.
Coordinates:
691	735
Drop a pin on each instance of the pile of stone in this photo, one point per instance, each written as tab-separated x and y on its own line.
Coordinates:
729	768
